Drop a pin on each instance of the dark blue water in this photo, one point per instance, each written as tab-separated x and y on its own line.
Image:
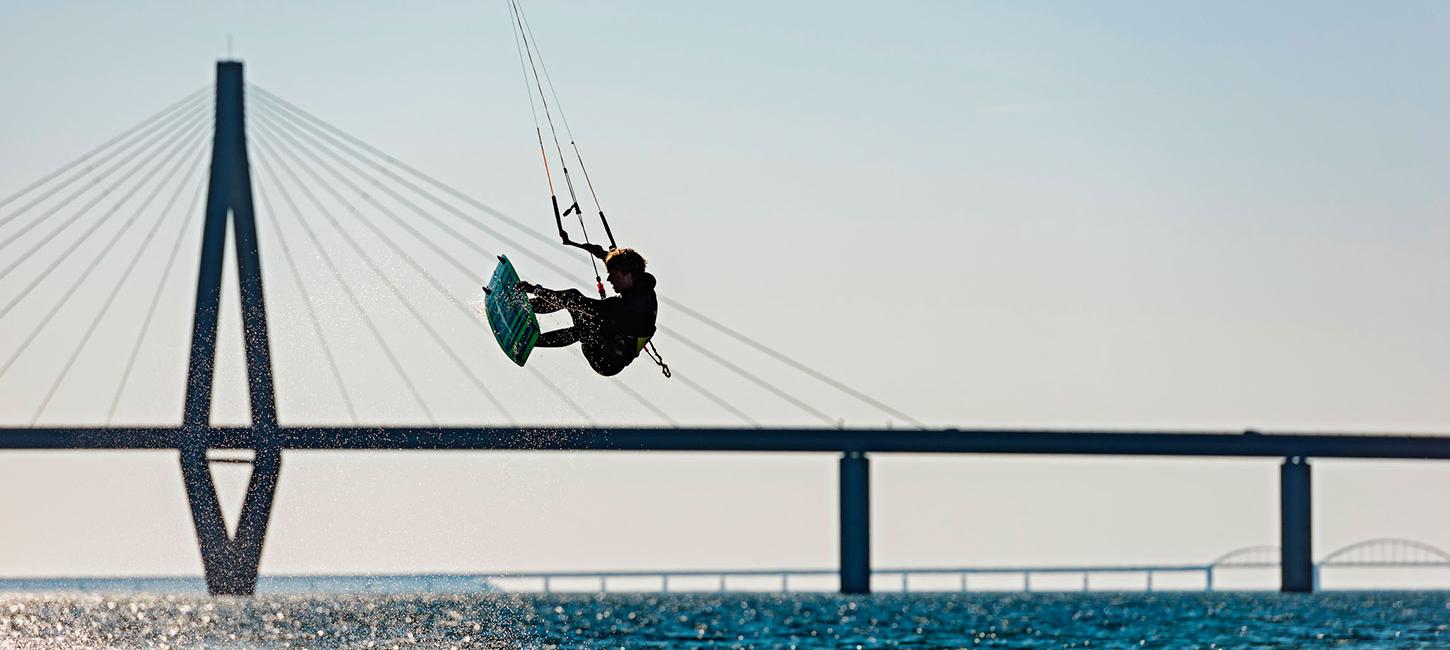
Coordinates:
916	620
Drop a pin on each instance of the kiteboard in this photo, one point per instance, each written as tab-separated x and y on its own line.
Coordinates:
510	316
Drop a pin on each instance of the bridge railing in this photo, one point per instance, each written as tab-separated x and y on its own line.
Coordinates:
809	580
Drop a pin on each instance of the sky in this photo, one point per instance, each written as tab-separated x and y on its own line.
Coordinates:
1124	215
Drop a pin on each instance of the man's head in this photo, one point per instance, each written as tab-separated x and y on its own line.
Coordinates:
625	266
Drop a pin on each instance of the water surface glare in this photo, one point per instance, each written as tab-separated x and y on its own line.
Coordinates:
913	620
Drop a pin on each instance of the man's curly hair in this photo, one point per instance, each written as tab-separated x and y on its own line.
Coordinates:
624	260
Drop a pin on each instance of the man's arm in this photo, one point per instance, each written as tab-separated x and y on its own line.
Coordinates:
594	249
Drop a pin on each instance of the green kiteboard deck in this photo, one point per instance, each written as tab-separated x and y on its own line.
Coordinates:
509	315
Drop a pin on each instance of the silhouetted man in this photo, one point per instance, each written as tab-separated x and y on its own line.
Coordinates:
611	332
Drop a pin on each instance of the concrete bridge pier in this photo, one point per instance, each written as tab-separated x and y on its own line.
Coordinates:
230	561
1296	563
855	523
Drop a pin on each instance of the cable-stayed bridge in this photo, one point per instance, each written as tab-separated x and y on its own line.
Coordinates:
376	286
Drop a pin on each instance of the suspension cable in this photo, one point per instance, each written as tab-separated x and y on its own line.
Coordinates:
281	128
306	301
40	326
337	274
819	376
313	122
564	272
449	298
691	384
640	399
195	207
177	147
302	130
527	252
178	135
353	146
158	120
287	146
451	209
131	266
755	379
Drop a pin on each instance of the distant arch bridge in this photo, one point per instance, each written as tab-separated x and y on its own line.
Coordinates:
1382	552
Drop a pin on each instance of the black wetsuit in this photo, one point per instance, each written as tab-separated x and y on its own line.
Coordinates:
611	332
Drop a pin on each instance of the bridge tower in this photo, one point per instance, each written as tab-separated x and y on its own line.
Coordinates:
1296	564
230	560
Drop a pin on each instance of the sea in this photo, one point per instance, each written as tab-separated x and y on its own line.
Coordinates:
492	619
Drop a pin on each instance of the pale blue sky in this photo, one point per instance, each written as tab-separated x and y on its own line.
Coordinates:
1139	214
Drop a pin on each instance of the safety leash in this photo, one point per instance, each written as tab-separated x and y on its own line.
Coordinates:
654	355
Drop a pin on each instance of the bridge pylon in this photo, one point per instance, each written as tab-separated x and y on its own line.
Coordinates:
230	560
1296	563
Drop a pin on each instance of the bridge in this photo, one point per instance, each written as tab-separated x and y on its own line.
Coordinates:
303	154
1380	553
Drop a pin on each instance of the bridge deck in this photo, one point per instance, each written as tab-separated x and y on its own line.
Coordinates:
981	441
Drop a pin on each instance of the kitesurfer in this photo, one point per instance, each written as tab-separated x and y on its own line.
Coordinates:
610	332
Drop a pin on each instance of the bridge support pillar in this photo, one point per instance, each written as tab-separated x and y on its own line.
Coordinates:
230	561
1296	562
855	523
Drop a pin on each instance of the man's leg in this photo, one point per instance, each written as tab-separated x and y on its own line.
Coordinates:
545	304
603	359
548	302
599	348
542	306
581	311
558	338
